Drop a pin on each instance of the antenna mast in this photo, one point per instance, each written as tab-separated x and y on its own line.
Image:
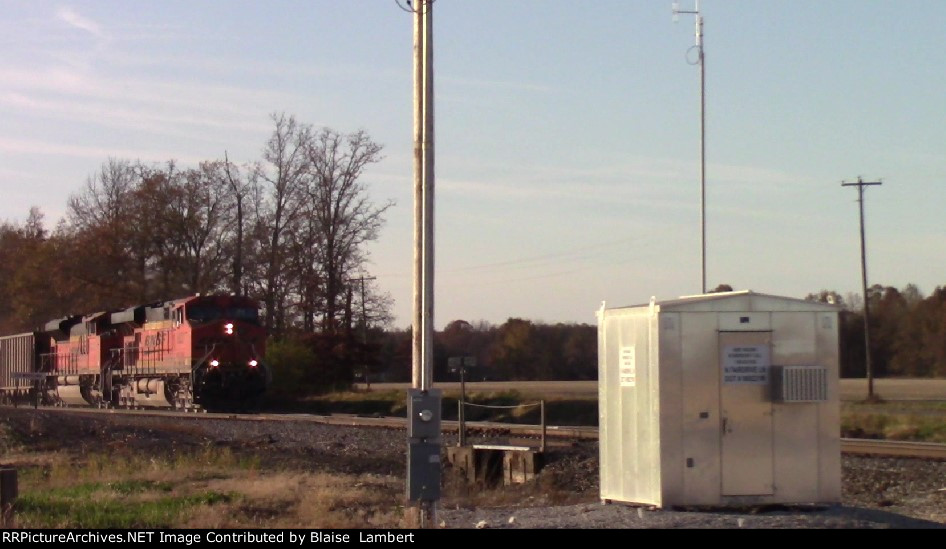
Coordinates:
701	61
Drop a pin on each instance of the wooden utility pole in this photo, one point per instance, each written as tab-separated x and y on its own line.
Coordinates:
364	324
860	184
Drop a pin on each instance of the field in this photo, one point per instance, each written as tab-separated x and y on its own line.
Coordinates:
909	409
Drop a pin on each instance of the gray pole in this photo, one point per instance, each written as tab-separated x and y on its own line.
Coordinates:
461	413
423	197
417	334
422	332
699	43
860	184
364	323
701	61
427	379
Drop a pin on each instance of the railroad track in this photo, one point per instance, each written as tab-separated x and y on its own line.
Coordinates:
901	448
853	446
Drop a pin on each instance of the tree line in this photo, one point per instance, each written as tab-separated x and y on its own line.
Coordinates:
907	331
517	350
289	229
908	339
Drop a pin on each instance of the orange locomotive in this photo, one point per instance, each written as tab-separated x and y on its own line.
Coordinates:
200	351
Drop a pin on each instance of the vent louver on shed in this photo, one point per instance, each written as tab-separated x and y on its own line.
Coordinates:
800	384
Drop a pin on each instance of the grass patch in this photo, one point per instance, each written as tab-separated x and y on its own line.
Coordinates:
207	487
920	421
105	506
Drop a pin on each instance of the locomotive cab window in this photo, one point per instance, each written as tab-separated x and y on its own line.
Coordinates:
199	314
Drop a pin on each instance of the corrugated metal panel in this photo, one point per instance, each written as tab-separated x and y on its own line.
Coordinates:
801	384
17	355
669	442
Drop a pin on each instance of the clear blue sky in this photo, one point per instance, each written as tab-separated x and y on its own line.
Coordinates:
567	132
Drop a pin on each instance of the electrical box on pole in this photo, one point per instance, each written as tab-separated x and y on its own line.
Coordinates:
424	442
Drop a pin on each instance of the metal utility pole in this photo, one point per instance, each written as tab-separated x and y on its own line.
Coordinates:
860	184
423	402
422	364
701	61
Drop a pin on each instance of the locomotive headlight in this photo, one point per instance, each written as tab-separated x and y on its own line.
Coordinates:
253	364
228	328
214	363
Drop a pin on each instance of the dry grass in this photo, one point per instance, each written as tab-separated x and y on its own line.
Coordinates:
907	420
207	488
304	500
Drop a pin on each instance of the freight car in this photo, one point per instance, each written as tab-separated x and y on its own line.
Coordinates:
196	352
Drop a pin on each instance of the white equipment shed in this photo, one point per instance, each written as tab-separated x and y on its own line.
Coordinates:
719	399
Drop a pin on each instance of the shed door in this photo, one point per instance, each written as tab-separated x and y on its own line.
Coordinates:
746	413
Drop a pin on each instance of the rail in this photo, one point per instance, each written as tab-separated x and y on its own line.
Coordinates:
461	417
851	446
893	448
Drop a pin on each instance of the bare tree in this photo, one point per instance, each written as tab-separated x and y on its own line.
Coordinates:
100	222
152	231
199	223
344	217
283	173
240	190
104	201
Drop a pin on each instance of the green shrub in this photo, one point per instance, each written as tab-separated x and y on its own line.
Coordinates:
288	361
312	364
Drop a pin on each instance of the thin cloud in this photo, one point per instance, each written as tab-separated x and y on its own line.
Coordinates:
496	84
73	19
127	116
47	148
754	176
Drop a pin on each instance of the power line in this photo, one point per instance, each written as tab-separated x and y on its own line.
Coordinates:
571	254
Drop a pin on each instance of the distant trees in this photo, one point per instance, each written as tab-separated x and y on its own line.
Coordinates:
908	332
516	350
31	282
290	229
908	339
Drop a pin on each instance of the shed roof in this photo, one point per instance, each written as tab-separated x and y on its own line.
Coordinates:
745	300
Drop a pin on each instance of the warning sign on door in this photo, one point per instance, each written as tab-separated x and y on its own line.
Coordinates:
746	364
628	369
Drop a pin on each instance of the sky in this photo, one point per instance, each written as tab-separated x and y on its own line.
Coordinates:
567	133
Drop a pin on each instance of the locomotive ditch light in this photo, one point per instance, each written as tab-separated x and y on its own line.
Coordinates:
253	364
228	328
214	363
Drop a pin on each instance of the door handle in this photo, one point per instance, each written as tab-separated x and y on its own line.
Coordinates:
726	425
